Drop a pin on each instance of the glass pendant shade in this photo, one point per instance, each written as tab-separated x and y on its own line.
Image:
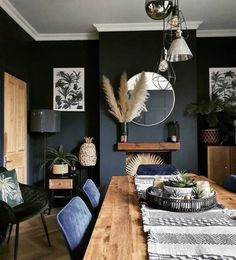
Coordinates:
164	76
158	9
179	50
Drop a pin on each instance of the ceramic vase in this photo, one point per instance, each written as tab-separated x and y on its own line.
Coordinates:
87	153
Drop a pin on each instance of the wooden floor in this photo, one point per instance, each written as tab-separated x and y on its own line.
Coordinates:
33	242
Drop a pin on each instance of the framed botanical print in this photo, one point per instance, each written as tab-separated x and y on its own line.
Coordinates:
68	89
222	82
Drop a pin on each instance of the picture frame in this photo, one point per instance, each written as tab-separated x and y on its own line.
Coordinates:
222	82
68	89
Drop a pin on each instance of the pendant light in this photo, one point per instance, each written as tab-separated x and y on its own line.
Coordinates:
176	20
158	9
179	50
164	76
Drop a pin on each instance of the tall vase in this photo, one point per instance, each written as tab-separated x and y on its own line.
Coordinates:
87	153
123	127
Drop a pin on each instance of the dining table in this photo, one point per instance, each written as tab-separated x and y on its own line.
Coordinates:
118	232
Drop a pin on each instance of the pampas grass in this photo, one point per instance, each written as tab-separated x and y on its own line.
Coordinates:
129	105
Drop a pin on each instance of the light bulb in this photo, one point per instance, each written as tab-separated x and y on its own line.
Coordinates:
174	21
163	66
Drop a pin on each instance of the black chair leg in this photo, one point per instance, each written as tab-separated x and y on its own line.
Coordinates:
45	228
16	241
9	234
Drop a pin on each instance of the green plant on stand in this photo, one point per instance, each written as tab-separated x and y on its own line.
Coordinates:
59	160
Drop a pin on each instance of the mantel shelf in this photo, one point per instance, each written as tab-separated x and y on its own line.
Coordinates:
151	147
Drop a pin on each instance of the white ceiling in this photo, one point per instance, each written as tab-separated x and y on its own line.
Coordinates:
45	18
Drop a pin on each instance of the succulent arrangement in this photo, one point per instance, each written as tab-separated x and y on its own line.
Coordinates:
182	180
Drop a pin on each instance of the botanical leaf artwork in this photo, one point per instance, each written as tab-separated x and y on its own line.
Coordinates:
223	82
69	89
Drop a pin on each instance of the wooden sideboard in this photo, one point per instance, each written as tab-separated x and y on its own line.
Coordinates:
221	162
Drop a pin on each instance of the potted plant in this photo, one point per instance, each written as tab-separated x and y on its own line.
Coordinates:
59	160
209	111
180	185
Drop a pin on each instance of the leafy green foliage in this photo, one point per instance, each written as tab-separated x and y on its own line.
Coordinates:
210	109
197	193
58	156
183	180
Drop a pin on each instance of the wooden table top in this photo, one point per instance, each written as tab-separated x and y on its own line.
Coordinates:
118	233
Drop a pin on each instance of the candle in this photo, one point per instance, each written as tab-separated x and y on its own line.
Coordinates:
205	187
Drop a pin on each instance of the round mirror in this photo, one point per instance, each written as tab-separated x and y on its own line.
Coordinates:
160	102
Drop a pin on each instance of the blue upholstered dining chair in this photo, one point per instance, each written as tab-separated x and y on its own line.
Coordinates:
92	193
230	183
156	169
76	223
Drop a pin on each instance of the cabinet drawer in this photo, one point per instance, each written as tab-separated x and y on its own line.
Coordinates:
60	184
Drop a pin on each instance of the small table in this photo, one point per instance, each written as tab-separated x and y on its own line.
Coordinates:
62	186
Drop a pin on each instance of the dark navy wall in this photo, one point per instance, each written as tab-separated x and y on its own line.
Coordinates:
211	52
14	56
114	53
134	52
74	125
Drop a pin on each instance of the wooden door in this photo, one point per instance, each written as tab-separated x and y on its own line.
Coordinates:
15	126
218	163
232	160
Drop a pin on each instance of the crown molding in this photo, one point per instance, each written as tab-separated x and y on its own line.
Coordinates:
109	27
216	33
20	20
157	26
66	36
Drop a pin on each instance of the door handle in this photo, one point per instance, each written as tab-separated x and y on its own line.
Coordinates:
6	161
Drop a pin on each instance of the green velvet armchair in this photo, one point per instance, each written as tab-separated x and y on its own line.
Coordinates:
35	202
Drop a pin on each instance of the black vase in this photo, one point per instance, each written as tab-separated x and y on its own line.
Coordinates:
123	129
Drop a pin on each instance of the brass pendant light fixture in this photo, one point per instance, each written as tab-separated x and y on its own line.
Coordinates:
175	34
179	50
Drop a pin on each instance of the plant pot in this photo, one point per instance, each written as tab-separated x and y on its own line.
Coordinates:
210	136
179	191
62	168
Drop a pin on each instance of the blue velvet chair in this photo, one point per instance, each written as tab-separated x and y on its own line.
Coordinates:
76	223
156	169
93	194
230	183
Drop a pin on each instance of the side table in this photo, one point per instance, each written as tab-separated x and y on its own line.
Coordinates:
62	186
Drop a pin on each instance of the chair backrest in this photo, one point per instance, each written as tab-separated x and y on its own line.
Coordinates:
92	192
156	169
230	183
75	221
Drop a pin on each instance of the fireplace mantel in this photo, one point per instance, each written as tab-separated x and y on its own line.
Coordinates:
148	147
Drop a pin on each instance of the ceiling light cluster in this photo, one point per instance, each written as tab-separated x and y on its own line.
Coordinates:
174	33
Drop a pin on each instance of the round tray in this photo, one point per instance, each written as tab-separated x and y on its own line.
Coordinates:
155	199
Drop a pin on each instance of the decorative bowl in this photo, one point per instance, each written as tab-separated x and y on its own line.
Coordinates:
178	190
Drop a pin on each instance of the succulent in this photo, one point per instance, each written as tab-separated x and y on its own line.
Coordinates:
182	180
197	193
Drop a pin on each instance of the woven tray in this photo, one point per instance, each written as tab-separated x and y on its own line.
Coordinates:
182	205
